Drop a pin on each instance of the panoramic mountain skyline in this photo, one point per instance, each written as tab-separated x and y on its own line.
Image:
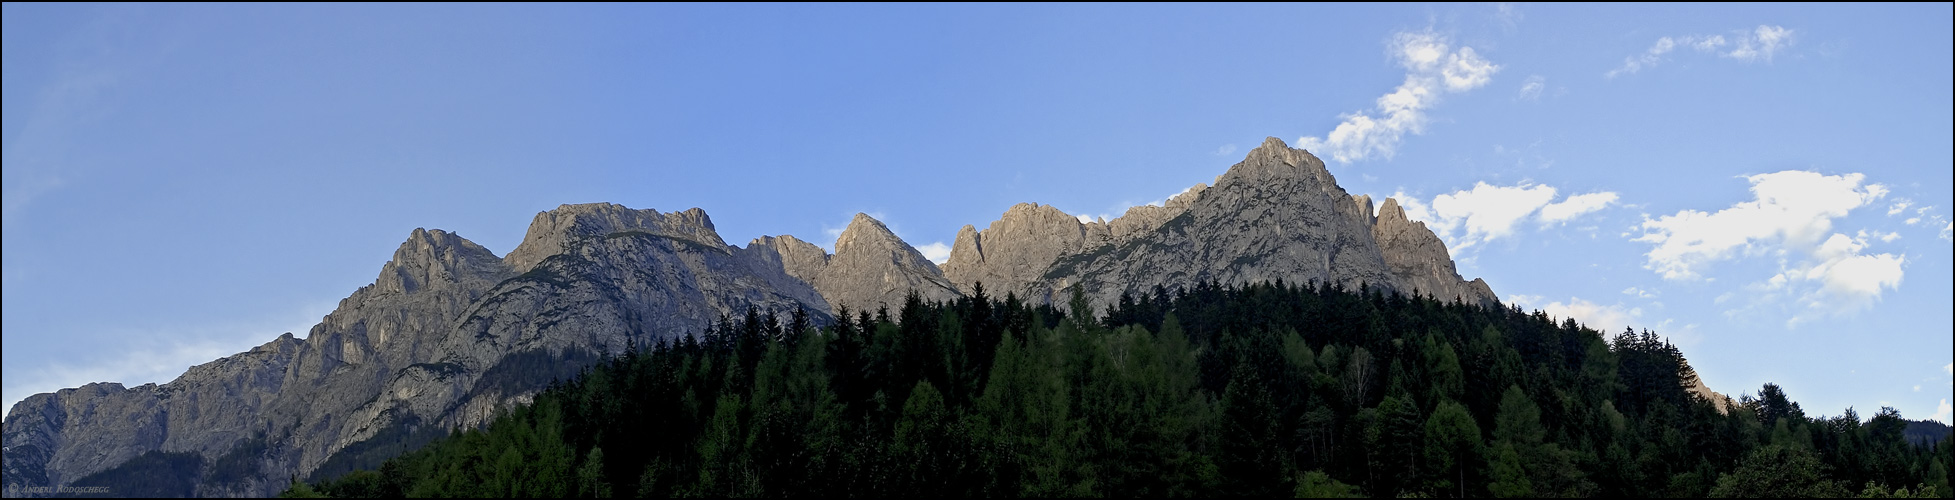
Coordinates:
1766	186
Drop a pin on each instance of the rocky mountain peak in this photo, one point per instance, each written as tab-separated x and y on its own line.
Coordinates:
800	259
865	233
434	259
1364	207
555	231
1279	163
1390	208
871	267
1015	249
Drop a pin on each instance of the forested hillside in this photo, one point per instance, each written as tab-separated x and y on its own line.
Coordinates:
1264	390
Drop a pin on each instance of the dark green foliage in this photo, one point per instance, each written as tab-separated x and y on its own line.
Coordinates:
1265	390
1778	472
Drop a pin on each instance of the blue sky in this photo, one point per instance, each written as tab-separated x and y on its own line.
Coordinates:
1769	186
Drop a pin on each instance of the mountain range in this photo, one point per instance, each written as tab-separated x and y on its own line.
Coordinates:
449	332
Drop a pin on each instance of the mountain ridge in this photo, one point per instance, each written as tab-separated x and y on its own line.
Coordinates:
439	339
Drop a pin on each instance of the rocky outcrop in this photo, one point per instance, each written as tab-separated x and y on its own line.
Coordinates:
556	231
58	437
1418	260
871	267
1277	215
1014	253
414	348
800	259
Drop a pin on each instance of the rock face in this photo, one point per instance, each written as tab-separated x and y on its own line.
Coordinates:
1277	215
1418	261
424	346
211	406
449	332
871	267
1014	253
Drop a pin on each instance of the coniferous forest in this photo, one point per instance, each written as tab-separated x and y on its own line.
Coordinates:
1263	390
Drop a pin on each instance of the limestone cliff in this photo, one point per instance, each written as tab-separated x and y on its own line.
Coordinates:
1277	215
1418	260
412	350
871	267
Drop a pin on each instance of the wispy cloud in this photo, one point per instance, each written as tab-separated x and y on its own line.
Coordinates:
1898	207
1762	42
1532	87
1608	318
1432	68
1225	150
1508	15
1921	216
1467	218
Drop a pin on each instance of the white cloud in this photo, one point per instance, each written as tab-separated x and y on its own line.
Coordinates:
1225	150
1762	42
1638	293
1899	206
1531	89
1790	219
937	252
1605	318
1432	68
1923	216
1648	58
1943	412
1469	217
1575	206
1948	369
1489	211
1850	280
1887	237
1792	209
1608	318
1946	230
1709	44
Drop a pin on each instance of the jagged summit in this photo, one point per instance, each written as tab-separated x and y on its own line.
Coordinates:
435	258
871	267
1419	261
1277	214
552	232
